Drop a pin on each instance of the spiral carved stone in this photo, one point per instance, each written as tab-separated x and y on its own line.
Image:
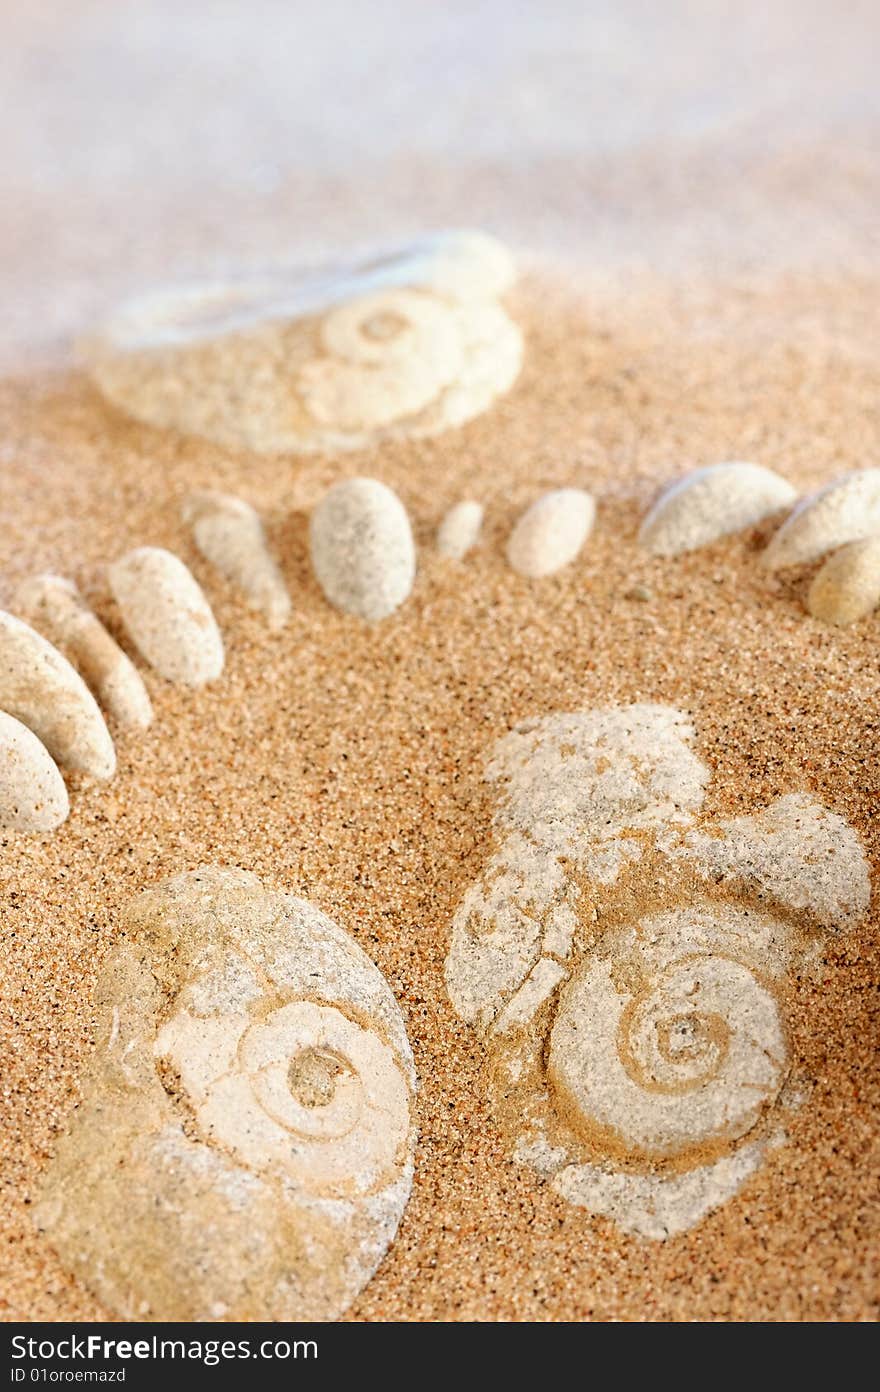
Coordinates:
408	344
628	961
244	1146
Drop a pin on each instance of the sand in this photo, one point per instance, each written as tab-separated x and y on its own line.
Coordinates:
696	201
342	762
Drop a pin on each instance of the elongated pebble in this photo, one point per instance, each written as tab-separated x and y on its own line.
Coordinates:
362	548
167	615
55	606
229	533
551	532
845	510
33	797
459	529
710	503
41	689
848	585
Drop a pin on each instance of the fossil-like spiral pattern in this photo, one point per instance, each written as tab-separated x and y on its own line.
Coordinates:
244	1146
410	343
628	961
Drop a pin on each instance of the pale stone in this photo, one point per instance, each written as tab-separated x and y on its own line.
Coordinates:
847	587
167	615
795	849
409	343
551	532
55	606
33	797
362	548
846	510
229	533
41	689
690	1056
658	1207
244	1147
459	530
711	503
538	986
641	1066
579	788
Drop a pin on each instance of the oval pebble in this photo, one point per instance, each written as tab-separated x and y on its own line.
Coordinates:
33	797
167	615
39	687
362	548
848	585
229	533
59	610
711	503
846	510
551	532
459	530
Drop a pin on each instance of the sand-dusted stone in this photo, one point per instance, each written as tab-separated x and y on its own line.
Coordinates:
846	510
55	606
847	587
167	615
244	1147
41	689
459	530
362	548
33	797
411	342
229	533
794	849
550	533
691	1056
710	503
628	961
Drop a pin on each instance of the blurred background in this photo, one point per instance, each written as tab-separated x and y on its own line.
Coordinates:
160	139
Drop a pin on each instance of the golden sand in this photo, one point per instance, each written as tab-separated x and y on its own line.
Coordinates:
342	762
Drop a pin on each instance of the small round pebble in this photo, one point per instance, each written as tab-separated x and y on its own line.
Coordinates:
551	532
33	797
167	615
362	548
848	585
459	530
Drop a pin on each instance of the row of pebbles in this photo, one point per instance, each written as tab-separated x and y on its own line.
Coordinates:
838	526
364	559
58	661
